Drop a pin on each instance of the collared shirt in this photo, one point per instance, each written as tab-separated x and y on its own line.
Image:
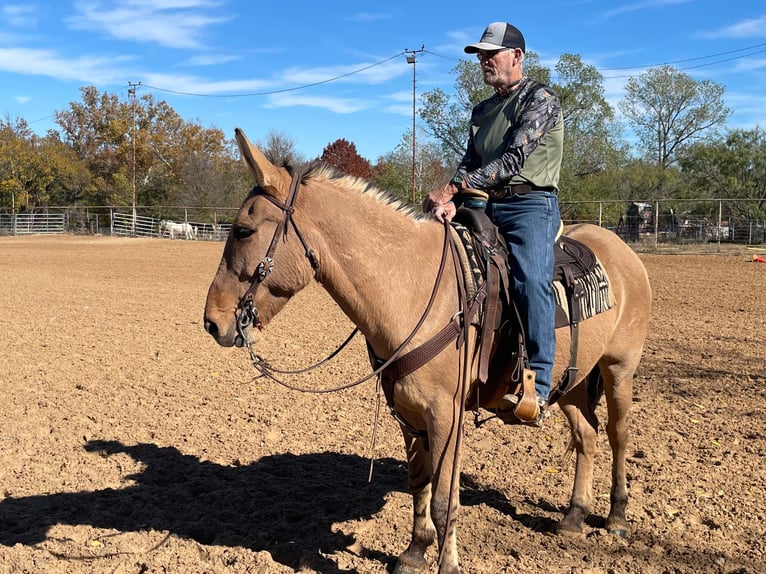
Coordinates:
517	138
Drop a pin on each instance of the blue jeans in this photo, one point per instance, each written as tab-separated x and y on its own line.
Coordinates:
529	223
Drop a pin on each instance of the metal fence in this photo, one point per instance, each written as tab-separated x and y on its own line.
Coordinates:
33	223
641	223
208	224
675	221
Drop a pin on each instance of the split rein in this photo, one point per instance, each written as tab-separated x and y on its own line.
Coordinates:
247	315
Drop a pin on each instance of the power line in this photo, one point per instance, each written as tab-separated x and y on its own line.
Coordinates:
692	59
271	92
670	63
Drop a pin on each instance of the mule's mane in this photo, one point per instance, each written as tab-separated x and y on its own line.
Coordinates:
321	172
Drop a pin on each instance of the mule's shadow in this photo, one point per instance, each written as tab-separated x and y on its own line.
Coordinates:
284	504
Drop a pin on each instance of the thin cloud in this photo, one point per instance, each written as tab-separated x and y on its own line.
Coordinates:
211	60
642	5
170	23
369	17
750	64
89	69
199	86
19	16
751	28
372	75
336	105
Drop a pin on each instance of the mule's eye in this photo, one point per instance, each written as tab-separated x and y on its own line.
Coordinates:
242	232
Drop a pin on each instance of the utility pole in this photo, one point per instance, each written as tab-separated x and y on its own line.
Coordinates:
132	95
412	59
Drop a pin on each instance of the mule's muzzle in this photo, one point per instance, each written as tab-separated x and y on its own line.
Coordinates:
224	337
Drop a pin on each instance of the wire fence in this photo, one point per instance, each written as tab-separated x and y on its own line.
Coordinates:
640	223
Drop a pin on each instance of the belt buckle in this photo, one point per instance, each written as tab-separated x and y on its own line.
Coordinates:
498	192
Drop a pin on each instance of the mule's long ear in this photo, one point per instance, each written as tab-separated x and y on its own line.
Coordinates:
263	171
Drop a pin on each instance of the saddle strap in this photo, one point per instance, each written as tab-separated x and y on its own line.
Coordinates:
574	290
491	318
419	356
497	286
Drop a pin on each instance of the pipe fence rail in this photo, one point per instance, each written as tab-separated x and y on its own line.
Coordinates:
642	223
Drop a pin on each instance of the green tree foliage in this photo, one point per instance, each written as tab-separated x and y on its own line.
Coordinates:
36	172
668	109
171	161
732	168
394	171
342	155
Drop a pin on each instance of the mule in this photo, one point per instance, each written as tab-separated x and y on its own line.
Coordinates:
379	260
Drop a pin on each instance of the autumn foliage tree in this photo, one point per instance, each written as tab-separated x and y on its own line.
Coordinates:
342	155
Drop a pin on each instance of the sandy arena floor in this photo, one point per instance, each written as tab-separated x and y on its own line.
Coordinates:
131	443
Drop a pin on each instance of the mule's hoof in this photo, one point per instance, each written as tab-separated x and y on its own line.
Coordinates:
621	532
569	528
405	569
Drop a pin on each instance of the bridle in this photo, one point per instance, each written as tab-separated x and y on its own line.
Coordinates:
246	313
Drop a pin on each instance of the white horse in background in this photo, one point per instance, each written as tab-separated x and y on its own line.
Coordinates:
181	230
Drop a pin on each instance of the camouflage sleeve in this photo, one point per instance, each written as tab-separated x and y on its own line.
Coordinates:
540	114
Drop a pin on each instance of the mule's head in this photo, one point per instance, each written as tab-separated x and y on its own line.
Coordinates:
246	247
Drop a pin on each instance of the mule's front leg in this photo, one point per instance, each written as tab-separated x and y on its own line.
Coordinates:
445	502
412	560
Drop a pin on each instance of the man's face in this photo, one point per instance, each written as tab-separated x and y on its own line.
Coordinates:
500	67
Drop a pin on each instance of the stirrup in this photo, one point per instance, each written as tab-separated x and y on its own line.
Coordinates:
521	408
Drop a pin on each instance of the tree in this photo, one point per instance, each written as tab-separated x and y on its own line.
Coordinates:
280	149
733	168
393	172
342	155
173	161
668	109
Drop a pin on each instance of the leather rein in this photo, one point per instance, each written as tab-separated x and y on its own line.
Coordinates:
247	314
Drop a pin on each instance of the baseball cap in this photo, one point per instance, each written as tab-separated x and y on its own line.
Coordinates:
498	35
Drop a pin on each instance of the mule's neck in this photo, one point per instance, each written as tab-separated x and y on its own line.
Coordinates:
379	264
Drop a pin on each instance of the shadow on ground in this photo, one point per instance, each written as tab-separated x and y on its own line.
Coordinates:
284	504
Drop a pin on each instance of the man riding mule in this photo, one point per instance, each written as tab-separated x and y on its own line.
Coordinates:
513	159
294	228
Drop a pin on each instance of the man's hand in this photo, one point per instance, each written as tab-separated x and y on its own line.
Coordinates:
439	202
444	212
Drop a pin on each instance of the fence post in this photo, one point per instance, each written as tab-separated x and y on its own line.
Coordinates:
656	223
720	214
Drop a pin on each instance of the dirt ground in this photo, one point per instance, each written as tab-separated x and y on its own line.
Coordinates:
131	443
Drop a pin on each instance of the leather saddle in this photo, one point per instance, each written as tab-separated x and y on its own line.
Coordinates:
503	360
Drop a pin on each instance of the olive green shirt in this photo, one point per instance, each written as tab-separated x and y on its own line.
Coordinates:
515	139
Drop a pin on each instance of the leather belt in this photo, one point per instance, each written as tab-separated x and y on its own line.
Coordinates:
516	188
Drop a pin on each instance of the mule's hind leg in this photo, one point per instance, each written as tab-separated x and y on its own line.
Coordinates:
583	426
618	389
412	560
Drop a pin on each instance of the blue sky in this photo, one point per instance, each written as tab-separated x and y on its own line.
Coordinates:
319	71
